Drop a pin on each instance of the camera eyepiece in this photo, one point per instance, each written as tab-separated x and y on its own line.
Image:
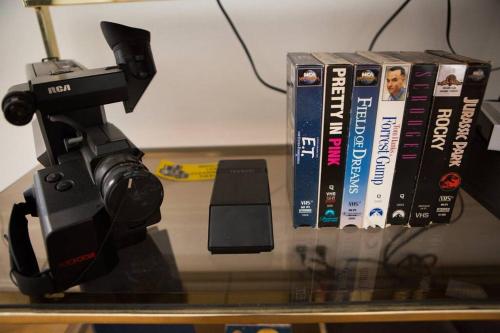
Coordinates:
131	193
132	50
18	107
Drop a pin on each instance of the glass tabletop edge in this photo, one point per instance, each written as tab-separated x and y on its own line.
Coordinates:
251	316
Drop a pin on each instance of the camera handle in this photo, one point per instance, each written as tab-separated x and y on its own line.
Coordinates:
25	271
24	266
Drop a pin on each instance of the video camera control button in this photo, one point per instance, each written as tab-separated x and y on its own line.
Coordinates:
53	177
64	185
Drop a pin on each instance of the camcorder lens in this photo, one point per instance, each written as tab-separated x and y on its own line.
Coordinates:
131	193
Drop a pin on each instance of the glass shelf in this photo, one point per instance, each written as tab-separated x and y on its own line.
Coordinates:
442	272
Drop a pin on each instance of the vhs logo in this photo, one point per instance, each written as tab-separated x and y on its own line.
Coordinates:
331	198
445	198
422	215
305	207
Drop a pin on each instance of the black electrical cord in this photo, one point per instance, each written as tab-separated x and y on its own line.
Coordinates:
396	13
410	264
388	252
249	56
393	16
101	247
462	207
372	44
419	262
448	28
448	25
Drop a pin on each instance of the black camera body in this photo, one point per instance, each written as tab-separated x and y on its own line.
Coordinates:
94	195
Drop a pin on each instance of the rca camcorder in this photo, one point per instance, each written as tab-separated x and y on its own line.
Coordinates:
94	195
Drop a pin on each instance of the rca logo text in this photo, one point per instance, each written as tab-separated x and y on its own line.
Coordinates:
59	89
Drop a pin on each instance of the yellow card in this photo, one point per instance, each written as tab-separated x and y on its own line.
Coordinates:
186	172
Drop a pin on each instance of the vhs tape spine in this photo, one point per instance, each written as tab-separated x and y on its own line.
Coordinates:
415	121
305	110
361	129
474	87
335	129
386	143
445	112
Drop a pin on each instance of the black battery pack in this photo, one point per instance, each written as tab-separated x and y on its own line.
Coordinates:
240	218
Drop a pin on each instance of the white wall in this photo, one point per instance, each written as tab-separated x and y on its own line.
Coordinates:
205	93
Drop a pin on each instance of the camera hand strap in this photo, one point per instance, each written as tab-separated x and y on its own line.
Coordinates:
24	266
